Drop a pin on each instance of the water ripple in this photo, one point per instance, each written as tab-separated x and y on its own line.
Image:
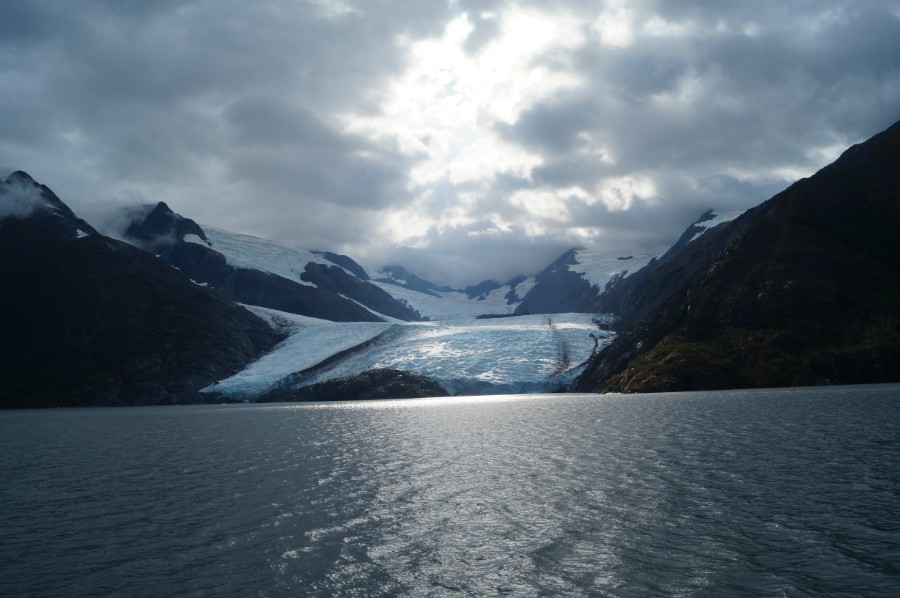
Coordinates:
789	493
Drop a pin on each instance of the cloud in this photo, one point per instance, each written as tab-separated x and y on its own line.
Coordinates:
18	200
467	137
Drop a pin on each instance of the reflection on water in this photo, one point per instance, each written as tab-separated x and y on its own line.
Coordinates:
771	492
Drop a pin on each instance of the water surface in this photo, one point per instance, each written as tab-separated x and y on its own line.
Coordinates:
782	492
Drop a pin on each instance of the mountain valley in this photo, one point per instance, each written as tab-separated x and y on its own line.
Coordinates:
802	289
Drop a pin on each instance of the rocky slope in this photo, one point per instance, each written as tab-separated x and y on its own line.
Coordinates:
578	281
804	289
88	320
632	297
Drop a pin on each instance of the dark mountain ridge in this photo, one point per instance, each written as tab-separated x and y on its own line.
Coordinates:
345	262
631	298
88	320
802	290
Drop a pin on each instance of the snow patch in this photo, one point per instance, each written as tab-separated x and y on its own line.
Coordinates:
717	219
80	234
191	238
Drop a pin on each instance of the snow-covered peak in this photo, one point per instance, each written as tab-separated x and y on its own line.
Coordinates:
398	275
599	268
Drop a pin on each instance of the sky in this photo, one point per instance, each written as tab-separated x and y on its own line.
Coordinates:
464	140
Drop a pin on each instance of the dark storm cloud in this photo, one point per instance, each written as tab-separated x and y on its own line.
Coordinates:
235	114
762	101
278	145
713	114
141	87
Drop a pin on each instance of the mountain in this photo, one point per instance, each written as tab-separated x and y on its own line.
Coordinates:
258	272
630	297
330	286
399	276
88	320
626	285
488	298
346	263
575	282
802	290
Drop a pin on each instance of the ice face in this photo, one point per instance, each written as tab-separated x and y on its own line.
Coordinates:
537	353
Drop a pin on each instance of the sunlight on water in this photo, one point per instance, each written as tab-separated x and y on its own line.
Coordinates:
415	403
785	492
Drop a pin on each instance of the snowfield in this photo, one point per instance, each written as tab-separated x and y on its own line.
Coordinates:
599	268
456	305
538	353
717	219
244	251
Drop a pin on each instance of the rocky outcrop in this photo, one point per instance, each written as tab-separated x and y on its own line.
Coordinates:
805	289
346	263
88	320
162	227
371	385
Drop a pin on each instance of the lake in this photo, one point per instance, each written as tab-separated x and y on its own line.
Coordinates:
791	492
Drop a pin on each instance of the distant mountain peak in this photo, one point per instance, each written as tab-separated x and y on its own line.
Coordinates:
20	176
345	262
162	226
400	276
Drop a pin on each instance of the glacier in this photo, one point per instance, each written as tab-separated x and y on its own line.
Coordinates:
535	353
456	347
